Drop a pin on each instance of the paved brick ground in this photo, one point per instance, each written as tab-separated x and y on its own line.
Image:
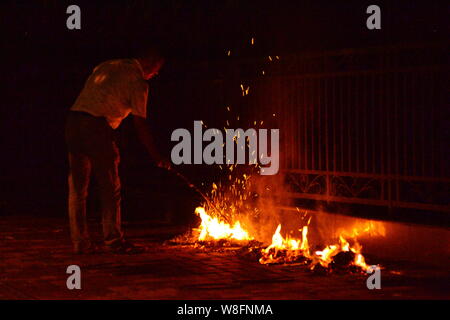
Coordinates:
35	252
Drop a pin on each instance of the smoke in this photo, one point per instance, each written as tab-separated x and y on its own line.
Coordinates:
272	194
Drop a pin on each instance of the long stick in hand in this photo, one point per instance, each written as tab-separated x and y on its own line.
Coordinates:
192	186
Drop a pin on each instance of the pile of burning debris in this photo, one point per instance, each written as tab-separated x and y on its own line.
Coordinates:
340	257
222	227
344	256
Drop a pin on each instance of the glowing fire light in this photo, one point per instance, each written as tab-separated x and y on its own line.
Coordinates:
212	228
285	250
325	256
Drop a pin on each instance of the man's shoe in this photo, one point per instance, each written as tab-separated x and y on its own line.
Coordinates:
84	247
125	247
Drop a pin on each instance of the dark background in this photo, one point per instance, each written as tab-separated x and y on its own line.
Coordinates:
45	66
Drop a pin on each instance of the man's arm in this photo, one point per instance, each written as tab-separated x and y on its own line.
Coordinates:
146	138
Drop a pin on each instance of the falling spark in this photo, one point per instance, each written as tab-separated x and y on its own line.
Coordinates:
245	90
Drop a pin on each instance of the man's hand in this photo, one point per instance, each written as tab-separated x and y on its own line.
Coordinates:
164	164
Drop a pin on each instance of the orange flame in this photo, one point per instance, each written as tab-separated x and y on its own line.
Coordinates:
212	228
288	249
325	256
285	250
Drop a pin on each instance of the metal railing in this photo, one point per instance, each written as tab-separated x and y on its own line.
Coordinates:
374	132
367	126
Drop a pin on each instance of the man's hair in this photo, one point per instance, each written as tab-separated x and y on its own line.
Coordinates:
150	53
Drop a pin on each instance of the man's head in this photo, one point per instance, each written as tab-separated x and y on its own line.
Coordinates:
151	61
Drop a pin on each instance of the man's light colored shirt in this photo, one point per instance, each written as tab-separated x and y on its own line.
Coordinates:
115	89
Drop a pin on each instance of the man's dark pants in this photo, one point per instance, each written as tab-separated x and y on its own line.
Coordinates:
92	150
